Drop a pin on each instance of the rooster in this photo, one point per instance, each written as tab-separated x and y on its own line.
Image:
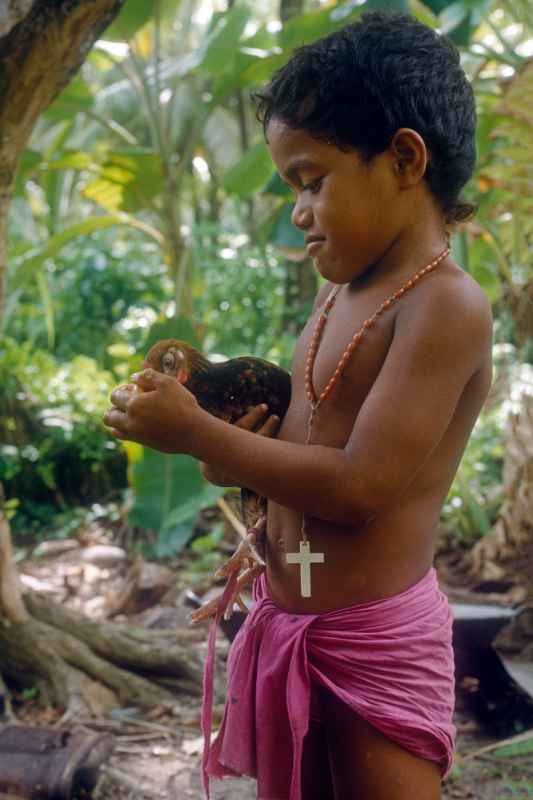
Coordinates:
228	390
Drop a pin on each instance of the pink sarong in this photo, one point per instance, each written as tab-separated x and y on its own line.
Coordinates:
389	660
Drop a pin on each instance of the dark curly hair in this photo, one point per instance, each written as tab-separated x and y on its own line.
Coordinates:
356	87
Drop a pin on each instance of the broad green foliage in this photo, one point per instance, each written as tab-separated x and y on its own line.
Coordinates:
98	287
169	493
476	495
237	297
54	451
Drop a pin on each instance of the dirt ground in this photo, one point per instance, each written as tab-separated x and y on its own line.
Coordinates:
157	755
165	770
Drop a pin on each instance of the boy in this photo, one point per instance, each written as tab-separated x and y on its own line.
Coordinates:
341	679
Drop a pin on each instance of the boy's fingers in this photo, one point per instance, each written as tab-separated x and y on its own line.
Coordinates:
252	417
270	427
122	395
149	379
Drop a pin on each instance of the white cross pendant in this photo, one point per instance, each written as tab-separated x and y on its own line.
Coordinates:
305	558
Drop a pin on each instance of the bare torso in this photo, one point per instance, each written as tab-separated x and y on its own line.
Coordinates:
396	548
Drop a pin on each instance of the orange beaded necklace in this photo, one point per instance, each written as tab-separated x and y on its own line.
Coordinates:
305	557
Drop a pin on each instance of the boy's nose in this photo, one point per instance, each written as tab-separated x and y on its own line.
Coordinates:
302	215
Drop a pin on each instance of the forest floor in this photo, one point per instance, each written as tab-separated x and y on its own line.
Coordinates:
157	754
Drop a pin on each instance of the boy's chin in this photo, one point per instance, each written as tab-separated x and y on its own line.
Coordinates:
333	271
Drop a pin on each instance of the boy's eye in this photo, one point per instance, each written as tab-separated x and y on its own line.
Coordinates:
313	187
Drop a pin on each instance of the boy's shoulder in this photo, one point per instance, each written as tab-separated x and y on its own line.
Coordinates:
452	294
450	309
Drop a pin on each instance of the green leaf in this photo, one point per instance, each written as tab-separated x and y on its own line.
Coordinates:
452	16
162	482
131	18
76	159
483	267
208	543
487	124
437	5
261	69
517	749
219	46
459	247
75	97
178	525
277	187
250	173
284	234
305	28
27	265
401	6
28	164
128	181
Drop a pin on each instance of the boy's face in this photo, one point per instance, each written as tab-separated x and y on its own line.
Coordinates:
351	209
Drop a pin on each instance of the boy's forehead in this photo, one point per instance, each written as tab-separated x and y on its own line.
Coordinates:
288	145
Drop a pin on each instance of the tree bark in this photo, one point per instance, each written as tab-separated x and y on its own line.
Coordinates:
11	12
11	604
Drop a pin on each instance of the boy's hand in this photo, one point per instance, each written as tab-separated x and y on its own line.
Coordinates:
154	410
257	420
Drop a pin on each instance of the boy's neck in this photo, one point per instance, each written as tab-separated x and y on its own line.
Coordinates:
416	245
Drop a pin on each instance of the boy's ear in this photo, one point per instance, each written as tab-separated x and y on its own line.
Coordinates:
410	156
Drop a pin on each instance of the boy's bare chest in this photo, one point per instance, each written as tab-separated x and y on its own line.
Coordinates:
333	424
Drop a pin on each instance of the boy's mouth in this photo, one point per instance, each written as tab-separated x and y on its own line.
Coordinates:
313	243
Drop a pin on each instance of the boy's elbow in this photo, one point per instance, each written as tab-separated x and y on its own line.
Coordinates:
361	500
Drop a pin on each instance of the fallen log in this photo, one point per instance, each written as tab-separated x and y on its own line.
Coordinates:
50	763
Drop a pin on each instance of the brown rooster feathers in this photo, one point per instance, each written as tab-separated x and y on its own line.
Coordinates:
227	390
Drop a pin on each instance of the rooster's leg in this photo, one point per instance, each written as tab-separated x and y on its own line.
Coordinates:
247	551
210	609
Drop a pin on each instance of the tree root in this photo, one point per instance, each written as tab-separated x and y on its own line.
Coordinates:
80	665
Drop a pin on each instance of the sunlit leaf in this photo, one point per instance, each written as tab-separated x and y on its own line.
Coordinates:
128	181
277	187
452	16
305	28
516	749
77	96
483	266
162	482
135	14
251	172
28	164
284	234
178	524
219	46
71	160
27	265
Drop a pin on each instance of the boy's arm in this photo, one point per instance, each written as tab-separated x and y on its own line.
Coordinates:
257	416
432	357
